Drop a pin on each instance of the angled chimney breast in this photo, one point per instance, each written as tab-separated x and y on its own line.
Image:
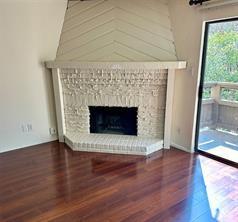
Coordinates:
112	30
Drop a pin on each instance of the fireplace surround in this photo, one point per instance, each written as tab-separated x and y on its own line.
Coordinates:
145	87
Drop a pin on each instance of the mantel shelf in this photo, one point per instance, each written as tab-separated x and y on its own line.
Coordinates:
116	65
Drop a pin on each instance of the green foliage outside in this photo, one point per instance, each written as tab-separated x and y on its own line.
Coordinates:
206	93
222	57
229	94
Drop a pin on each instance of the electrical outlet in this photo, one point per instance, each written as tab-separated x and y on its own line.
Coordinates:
52	131
29	127
23	128
26	128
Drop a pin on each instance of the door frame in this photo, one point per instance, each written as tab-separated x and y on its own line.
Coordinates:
201	85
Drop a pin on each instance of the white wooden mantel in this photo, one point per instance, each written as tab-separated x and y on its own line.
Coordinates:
170	66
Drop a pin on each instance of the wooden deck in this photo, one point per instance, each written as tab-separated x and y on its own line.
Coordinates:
218	143
52	183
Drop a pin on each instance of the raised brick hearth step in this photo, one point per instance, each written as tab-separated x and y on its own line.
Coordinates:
109	143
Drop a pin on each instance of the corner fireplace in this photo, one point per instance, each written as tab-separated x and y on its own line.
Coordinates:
95	101
113	120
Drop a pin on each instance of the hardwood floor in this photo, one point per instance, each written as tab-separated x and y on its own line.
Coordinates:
52	183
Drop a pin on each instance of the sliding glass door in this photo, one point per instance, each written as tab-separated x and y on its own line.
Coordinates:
217	125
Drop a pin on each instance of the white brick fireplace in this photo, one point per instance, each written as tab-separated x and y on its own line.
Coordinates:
147	86
114	57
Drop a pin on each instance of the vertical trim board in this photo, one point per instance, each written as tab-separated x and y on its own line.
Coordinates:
59	104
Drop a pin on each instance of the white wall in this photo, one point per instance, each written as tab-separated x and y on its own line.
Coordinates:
187	28
29	35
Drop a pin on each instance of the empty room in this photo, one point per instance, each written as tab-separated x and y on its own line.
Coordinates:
119	110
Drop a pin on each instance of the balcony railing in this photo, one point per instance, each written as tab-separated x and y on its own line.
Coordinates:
220	106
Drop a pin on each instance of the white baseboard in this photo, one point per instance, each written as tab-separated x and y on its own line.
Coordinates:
181	147
28	145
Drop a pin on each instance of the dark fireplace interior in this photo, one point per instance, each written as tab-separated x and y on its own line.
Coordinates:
113	120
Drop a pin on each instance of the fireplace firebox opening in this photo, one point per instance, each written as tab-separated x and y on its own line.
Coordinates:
113	120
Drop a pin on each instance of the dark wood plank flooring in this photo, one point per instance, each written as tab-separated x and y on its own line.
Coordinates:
52	183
